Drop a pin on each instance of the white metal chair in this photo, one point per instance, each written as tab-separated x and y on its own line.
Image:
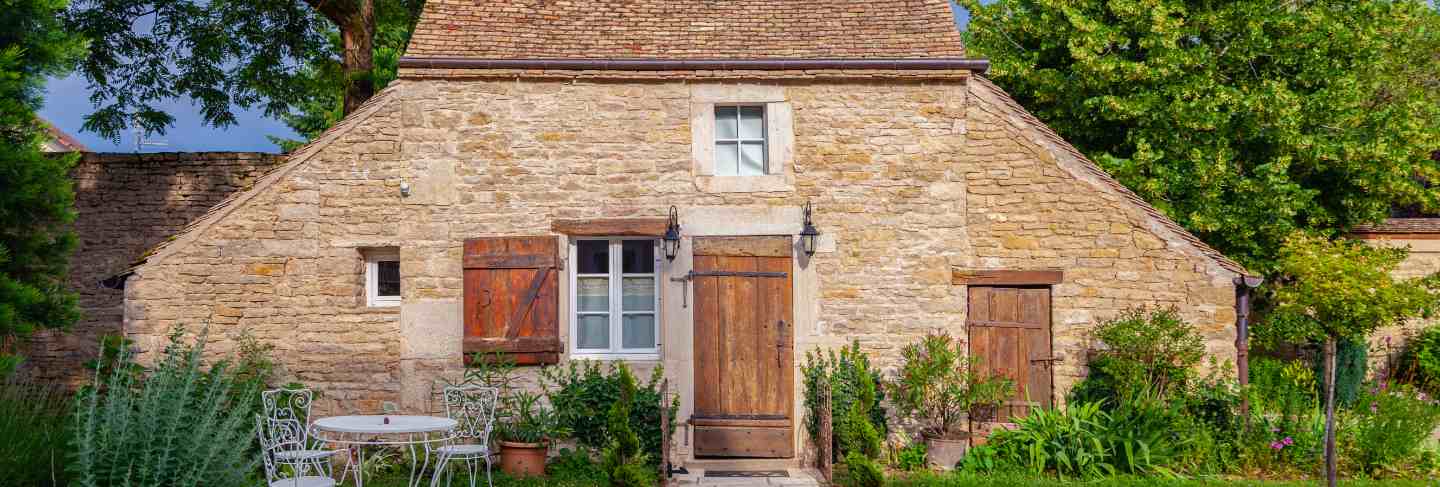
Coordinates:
473	407
279	438
294	404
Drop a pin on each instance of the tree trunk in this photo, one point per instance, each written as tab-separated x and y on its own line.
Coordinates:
356	21
1330	412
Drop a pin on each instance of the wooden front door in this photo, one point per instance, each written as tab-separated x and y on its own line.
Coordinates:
1010	337
744	371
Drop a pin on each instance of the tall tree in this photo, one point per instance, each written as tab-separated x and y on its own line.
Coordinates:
1329	291
225	54
1243	120
37	201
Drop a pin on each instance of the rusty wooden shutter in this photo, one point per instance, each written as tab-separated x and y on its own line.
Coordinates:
511	298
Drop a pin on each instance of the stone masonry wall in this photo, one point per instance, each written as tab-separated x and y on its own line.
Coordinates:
1387	343
126	204
908	179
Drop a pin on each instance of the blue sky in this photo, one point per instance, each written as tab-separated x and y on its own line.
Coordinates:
67	101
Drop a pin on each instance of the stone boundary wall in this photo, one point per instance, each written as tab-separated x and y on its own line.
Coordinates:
127	204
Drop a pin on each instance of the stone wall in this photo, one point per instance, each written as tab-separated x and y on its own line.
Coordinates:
126	204
1387	343
908	178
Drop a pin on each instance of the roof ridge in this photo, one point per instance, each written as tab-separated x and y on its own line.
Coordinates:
1065	148
277	173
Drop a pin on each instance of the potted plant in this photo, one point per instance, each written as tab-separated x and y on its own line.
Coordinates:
525	434
937	386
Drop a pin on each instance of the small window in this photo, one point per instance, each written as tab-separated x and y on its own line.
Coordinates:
382	277
614	297
740	146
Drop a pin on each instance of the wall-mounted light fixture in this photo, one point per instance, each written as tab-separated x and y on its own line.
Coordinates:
404	188
671	244
808	234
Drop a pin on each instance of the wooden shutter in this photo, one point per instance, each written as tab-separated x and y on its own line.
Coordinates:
511	298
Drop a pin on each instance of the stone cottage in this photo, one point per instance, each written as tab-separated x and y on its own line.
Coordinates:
1421	236
513	188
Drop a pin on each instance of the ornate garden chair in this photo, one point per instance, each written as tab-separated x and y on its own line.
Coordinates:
294	404
279	439
473	407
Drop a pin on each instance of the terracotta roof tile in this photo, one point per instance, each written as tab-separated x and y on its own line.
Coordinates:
1401	225
686	29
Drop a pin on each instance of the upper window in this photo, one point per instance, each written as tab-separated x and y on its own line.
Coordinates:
740	145
382	277
614	298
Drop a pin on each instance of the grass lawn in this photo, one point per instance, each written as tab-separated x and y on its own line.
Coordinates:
934	480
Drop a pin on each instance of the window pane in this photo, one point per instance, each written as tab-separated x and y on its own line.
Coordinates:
388	282
593	331
726	159
725	123
593	256
639	294
592	294
752	159
752	122
639	331
638	257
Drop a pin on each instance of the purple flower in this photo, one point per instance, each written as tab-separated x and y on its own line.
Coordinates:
1275	429
1374	407
1277	445
1288	441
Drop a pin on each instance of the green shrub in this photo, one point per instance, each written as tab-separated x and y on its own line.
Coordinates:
624	462
862	471
911	458
1393	421
179	425
1069	442
35	426
579	389
575	466
852	380
1420	361
938	385
1350	369
1148	349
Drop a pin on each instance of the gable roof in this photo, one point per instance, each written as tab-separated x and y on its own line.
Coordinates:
1085	169
686	29
1400	225
59	140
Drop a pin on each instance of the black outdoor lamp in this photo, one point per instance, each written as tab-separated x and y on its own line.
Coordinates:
808	234
672	235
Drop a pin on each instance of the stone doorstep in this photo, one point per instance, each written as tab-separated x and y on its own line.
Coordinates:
798	478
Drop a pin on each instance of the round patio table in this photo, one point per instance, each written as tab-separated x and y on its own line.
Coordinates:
416	433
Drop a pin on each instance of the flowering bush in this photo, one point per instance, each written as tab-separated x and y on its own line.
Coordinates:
1393	420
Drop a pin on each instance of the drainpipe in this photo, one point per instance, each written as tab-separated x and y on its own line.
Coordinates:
1244	285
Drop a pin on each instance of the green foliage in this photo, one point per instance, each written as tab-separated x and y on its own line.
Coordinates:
1394	421
578	389
1145	349
1341	289
1287	388
282	57
1146	435
575	466
624	462
37	203
856	417
911	457
35	425
529	421
1420	361
1244	121
180	425
861	471
1350	365
1069	442
938	385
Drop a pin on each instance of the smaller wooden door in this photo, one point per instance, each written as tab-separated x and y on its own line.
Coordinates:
1010	337
744	370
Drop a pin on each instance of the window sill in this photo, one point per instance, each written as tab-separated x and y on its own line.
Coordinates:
616	357
768	183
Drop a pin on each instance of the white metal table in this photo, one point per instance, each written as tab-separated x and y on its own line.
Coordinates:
417	433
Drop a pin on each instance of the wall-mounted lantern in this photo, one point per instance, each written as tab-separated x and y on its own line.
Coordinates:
671	244
808	234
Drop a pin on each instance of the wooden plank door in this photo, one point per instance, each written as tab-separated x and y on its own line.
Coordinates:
744	372
1010	337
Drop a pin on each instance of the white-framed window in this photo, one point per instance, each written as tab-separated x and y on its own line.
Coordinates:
614	297
741	148
382	277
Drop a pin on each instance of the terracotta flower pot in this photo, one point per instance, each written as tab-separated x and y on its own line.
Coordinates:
945	452
523	459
